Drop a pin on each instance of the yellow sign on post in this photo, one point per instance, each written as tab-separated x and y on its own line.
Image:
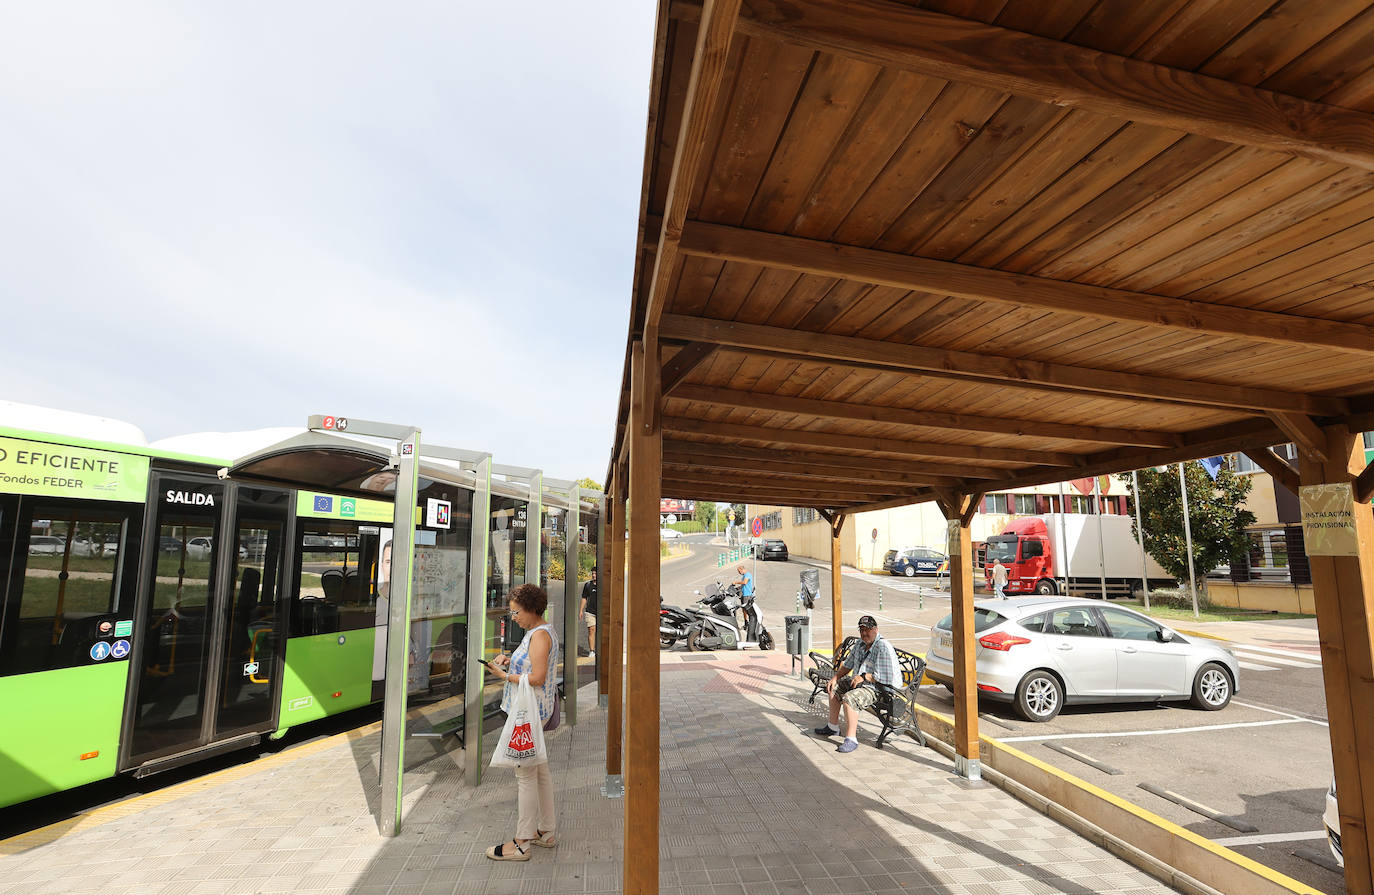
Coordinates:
1328	519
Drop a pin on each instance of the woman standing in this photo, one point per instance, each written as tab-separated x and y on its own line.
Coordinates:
535	657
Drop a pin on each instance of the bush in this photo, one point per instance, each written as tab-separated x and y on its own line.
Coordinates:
1180	598
687	526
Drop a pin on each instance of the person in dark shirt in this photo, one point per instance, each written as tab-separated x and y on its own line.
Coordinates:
588	611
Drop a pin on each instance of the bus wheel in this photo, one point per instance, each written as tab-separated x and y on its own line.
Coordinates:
1044	587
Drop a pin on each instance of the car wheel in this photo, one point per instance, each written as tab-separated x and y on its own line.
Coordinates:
909	571
1045	588
1212	688
1039	697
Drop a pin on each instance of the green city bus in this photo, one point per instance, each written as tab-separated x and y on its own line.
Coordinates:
155	610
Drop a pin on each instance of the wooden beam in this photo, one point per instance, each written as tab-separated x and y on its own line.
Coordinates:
1016	290
877	468
783	500
1007	371
958	510
896	35
1364	484
1241	436
1279	469
675	478
642	668
960	422
684	362
1304	433
1343	589
898	447
836	582
716	29
613	604
708	460
799	495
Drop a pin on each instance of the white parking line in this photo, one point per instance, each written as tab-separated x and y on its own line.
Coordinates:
1261	708
1292	654
1267	838
1251	666
1273	660
897	621
1148	733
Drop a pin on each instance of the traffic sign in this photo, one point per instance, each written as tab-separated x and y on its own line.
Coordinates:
757	526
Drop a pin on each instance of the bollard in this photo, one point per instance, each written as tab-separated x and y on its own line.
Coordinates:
920	599
880	599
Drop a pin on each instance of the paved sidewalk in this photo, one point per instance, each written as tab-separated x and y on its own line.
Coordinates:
751	802
1298	634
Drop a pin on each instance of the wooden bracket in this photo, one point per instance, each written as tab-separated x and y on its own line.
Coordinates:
1305	434
692	355
1364	484
1282	472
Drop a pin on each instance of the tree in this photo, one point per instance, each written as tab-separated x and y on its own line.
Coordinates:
592	484
1215	516
737	513
705	513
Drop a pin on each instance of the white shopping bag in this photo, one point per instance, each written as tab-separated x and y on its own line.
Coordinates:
522	739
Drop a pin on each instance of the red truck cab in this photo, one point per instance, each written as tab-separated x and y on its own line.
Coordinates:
1025	549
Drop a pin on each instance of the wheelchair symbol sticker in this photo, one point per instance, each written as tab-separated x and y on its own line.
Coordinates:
120	649
100	650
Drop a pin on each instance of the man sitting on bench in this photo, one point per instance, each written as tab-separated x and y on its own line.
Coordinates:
873	659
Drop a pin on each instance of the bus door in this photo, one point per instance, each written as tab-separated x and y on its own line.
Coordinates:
207	659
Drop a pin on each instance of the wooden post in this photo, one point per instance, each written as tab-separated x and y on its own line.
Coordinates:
612	603
836	580
1344	590
603	576
958	510
641	674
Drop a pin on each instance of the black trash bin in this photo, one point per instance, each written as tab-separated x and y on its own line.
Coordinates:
798	634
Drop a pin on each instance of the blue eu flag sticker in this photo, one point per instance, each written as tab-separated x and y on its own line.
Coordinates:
324	504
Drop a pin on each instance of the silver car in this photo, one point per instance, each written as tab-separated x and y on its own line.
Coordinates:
1042	653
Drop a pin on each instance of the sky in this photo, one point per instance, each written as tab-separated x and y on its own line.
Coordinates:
228	216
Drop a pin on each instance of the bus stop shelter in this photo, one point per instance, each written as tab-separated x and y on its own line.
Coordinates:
891	253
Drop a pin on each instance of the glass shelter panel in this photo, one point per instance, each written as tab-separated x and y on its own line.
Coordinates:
438	608
506	570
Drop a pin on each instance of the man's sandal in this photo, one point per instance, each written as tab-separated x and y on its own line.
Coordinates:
497	853
544	838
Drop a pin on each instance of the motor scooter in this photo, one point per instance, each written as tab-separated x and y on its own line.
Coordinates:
673	624
717	626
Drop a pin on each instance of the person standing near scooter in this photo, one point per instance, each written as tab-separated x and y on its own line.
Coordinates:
745	581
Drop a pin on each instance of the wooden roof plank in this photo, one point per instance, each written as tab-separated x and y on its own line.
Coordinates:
901	36
958	422
719	18
1011	371
1015	290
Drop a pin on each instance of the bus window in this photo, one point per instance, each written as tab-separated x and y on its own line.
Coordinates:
338	581
70	568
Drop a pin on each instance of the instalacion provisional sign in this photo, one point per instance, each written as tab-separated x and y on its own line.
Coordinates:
1328	519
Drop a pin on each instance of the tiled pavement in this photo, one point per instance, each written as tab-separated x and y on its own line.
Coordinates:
751	802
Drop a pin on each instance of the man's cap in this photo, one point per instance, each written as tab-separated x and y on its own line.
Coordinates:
867	621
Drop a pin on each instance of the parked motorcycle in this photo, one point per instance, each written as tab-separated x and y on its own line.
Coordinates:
673	624
727	620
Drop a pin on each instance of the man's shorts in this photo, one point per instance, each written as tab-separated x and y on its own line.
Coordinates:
591	619
860	698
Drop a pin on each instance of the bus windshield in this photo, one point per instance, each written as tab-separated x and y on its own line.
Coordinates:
1002	547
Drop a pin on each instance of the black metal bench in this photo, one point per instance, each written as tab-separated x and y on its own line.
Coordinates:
895	707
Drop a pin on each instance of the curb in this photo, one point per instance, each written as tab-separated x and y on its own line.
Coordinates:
1125	828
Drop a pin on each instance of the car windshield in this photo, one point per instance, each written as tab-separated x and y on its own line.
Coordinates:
982	620
1003	548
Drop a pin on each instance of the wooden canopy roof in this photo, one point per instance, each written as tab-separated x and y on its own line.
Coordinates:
893	247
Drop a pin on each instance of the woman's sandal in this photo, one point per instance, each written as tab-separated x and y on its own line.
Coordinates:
544	838
497	852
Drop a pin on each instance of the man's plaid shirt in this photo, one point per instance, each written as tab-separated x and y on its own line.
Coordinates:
879	660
